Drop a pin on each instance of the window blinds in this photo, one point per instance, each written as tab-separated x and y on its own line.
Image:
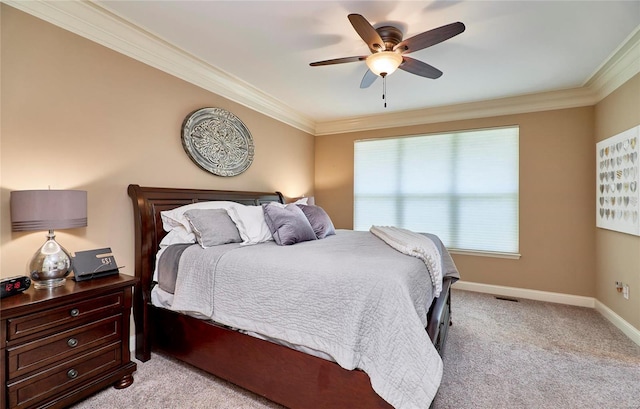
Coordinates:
461	186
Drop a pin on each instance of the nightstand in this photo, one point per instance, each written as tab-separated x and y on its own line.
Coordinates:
63	344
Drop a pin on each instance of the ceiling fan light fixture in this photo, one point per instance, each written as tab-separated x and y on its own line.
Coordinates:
384	62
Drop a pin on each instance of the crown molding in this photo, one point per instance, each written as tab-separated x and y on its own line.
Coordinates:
620	67
545	101
95	23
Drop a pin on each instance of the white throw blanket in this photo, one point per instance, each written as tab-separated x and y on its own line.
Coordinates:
416	245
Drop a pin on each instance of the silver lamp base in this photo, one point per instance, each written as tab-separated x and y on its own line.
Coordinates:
50	265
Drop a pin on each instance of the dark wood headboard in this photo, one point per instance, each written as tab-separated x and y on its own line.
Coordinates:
148	202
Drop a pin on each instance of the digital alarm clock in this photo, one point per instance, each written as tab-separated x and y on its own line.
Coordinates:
14	285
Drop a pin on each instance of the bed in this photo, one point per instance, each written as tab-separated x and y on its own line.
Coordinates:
282	374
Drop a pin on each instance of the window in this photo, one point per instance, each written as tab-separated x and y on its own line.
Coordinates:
461	186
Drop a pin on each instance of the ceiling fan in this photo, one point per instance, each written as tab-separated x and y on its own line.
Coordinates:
388	49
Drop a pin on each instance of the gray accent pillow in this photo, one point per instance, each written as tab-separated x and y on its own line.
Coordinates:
212	227
287	223
319	220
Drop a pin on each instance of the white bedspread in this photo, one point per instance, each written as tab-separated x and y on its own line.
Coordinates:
366	312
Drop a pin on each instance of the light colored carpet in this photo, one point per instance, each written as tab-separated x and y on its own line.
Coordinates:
530	354
499	354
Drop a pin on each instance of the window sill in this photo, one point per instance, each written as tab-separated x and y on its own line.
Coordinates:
494	254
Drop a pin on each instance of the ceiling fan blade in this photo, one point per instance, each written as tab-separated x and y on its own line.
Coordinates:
420	68
338	61
429	38
366	31
368	79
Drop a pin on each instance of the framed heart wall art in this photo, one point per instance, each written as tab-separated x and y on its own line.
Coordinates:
617	182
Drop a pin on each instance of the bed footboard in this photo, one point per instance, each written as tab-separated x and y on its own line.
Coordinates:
439	316
281	374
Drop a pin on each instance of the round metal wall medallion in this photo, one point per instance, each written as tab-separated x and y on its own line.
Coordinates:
217	141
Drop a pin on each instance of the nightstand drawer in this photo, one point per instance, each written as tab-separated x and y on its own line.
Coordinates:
31	390
58	318
64	346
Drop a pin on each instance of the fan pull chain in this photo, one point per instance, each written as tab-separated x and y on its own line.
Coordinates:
384	89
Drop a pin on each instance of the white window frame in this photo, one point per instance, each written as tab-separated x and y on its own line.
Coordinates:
452	197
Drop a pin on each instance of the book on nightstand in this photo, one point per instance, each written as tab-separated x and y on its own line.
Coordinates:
93	264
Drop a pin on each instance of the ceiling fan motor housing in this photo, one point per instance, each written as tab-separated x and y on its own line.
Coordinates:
391	37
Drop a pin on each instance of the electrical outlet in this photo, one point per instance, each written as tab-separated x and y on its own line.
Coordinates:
625	291
619	286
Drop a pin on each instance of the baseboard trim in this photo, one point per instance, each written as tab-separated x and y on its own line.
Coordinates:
132	344
628	329
568	299
537	295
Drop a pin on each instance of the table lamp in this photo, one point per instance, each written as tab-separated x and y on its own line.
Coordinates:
48	210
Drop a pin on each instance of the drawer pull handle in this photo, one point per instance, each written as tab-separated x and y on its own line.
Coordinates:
74	312
72	342
72	374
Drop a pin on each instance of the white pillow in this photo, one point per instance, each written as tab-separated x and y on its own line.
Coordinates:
176	236
176	218
250	223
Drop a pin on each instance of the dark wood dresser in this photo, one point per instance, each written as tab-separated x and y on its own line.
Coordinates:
64	344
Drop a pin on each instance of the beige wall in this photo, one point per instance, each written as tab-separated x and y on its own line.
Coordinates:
557	193
618	254
78	115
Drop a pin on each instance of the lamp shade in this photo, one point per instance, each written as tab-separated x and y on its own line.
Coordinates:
384	62
48	209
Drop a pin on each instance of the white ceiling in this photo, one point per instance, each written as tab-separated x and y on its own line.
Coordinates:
509	48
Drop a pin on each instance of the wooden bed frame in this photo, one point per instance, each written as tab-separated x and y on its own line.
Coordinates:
283	375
